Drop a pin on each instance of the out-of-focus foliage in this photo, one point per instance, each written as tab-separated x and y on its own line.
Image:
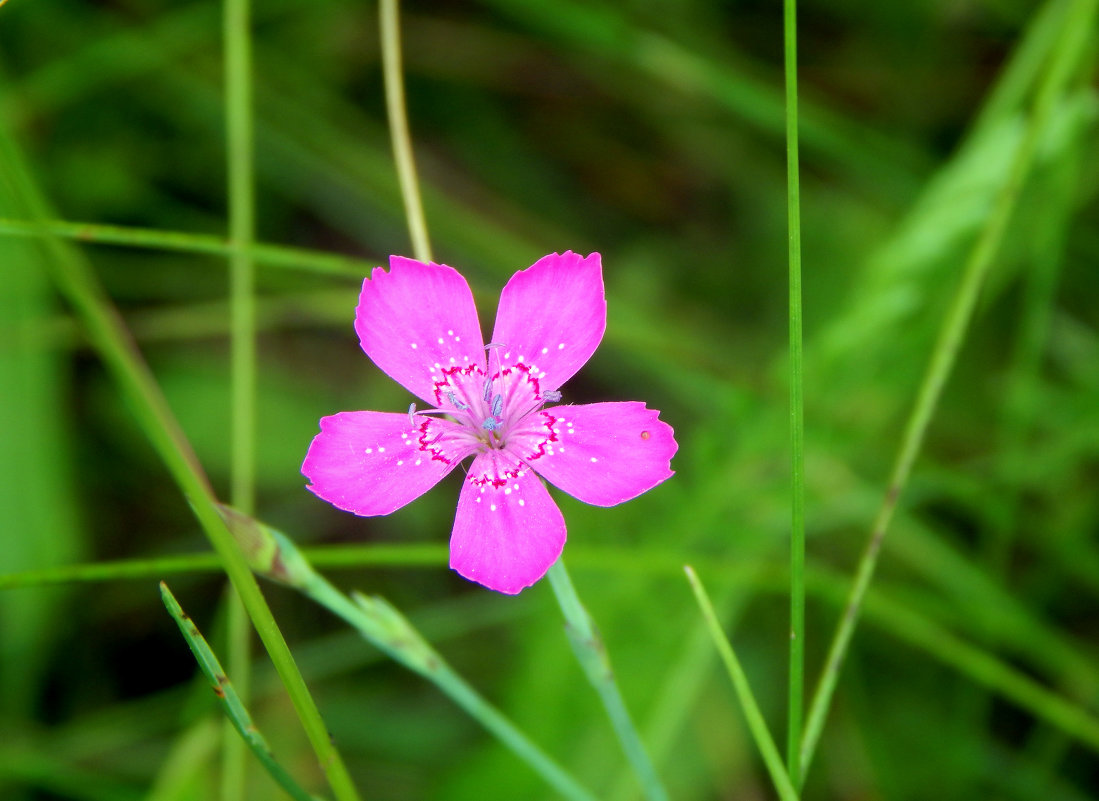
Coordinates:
653	133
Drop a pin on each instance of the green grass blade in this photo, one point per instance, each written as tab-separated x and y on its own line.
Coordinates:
268	255
228	698
81	288
242	231
756	724
1063	61
796	680
591	652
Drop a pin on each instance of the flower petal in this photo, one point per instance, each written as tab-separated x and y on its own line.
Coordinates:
552	316
416	320
372	463
508	531
604	453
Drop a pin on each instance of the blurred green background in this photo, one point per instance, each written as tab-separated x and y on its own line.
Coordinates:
651	132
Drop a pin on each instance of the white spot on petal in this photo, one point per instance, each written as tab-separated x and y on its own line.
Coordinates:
545	351
522	502
381	450
492	508
413	346
400	462
507	490
561	346
369	450
594	459
440	340
450	333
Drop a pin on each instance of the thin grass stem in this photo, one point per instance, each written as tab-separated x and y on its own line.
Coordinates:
756	724
242	316
280	256
1062	62
591	652
230	699
242	226
796	680
398	128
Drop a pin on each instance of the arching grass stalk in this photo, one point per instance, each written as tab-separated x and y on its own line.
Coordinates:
796	670
275	556
80	287
398	128
1063	60
237	35
590	650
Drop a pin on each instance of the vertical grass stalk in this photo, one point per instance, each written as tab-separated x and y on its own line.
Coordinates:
241	182
592	653
398	129
1062	61
797	414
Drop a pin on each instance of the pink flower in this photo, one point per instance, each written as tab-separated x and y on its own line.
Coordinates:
418	323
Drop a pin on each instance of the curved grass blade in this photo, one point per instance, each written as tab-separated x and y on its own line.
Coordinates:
228	698
756	724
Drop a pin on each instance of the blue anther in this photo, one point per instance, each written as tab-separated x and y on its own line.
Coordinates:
551	395
487	391
490	424
412	414
497	405
454	400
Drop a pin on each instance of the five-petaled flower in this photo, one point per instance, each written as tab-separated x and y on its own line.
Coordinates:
418	323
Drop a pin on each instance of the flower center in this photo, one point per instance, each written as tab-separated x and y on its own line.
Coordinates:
489	405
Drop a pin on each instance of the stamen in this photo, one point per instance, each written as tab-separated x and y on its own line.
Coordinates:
412	414
487	391
494	345
497	405
454	400
551	396
490	424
